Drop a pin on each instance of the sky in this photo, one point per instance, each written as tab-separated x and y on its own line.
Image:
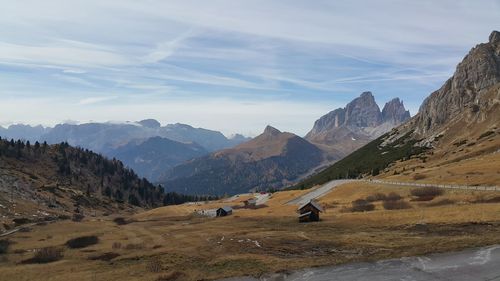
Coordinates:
228	65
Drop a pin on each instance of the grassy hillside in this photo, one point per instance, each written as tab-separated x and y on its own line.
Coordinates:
41	180
174	243
370	159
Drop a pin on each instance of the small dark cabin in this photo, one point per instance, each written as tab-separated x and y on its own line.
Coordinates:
224	211
252	202
309	212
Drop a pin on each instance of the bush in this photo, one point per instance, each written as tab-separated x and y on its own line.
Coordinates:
20	221
77	217
393	196
485	134
104	257
46	255
361	205
121	221
376	197
395	204
419	177
4	246
82	242
430	191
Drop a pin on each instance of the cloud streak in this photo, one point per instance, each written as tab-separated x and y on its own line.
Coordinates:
188	53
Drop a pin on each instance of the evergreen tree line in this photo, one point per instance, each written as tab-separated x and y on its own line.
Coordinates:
114	179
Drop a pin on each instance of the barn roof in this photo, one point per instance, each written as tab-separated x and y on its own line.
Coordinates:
314	204
226	208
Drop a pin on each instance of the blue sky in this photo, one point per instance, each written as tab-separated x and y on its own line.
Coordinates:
233	66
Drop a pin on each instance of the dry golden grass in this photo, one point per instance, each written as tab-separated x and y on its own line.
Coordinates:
253	242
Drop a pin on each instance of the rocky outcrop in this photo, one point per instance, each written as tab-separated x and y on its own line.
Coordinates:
478	71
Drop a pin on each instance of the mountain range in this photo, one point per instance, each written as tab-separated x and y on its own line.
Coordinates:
276	159
270	160
145	146
457	123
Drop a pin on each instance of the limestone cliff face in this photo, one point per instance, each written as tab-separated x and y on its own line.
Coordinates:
394	112
478	71
344	130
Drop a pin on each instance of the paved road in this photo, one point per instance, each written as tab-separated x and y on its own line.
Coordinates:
317	193
470	265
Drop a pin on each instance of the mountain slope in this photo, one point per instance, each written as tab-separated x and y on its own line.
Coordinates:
59	178
344	130
455	124
153	156
270	160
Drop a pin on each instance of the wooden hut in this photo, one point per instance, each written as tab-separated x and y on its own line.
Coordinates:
224	211
252	202
309	211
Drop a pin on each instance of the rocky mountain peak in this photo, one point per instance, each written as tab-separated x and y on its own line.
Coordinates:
395	112
271	131
479	70
363	111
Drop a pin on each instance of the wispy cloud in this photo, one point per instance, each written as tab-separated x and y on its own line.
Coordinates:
94	100
91	52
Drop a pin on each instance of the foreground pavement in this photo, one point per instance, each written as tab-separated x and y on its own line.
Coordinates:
481	264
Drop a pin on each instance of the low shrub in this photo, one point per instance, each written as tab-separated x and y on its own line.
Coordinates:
430	191
396	205
64	217
4	246
77	217
20	221
485	134
393	196
419	177
46	255
361	205
121	221
82	242
104	257
376	197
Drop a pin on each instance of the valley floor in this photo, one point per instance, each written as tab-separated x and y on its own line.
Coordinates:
172	243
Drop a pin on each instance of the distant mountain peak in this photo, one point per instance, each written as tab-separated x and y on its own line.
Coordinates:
394	111
343	130
271	131
367	95
150	123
